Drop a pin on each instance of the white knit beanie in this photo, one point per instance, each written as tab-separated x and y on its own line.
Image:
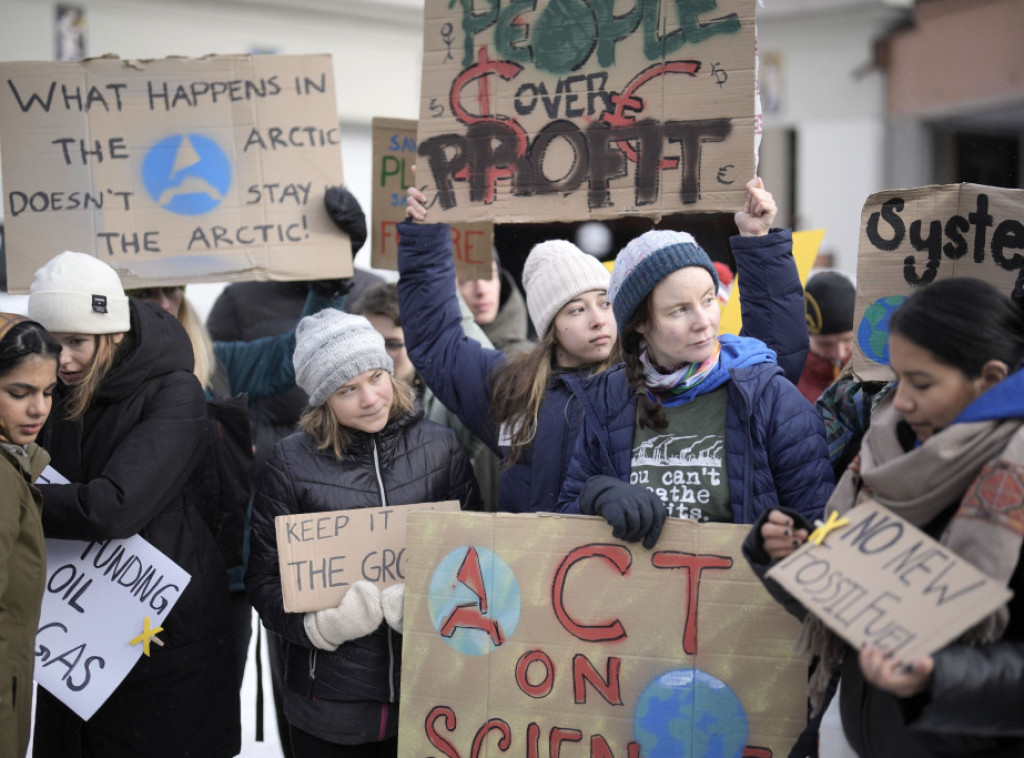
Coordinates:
75	292
331	348
555	272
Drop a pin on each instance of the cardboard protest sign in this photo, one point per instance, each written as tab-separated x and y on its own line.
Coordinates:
175	170
321	554
394	156
524	633
100	596
911	238
563	111
881	580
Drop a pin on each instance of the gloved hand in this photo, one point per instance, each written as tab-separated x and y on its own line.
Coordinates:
634	512
357	615
345	212
392	600
332	288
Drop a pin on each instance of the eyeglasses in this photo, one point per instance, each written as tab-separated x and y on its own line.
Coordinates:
393	346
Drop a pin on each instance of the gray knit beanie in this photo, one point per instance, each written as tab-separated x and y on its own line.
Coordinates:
75	292
331	348
647	260
555	272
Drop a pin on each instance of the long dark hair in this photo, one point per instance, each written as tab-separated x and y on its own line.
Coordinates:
24	340
964	323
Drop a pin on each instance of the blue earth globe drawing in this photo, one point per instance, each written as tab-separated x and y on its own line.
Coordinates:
503	597
688	713
873	332
187	174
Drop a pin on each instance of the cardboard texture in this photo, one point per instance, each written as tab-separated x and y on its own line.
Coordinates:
321	554
913	237
531	634
175	170
564	110
882	580
98	596
394	158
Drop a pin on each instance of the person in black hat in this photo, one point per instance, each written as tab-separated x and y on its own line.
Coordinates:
829	298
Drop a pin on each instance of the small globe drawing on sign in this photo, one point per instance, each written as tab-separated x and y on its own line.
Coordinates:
187	174
873	332
688	713
474	600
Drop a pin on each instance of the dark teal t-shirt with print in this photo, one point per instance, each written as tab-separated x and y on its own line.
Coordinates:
685	465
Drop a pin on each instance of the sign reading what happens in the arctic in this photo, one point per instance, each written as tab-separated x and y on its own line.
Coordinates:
174	170
564	110
540	635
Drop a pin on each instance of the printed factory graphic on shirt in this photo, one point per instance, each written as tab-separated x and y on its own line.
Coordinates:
685	471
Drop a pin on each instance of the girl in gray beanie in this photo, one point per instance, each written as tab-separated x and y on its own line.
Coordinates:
362	444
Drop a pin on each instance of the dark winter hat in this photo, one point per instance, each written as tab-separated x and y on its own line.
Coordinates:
829	298
647	260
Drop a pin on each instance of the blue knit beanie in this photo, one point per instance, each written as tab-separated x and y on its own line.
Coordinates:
647	260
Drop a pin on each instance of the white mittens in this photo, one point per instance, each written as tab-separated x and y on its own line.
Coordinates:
358	614
392	601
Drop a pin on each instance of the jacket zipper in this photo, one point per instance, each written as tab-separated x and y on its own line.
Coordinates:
312	671
391	644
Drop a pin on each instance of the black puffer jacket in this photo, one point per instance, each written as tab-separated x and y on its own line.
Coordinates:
130	459
415	461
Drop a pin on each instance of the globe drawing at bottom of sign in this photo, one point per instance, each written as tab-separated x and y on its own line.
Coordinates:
474	600
187	174
873	332
688	713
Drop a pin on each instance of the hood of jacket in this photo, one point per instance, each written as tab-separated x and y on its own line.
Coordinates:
157	345
509	330
1004	401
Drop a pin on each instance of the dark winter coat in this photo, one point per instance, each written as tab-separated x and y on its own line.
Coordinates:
410	461
130	459
22	576
774	442
458	370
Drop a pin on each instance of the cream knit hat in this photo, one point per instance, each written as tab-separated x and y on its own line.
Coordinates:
555	272
331	348
75	292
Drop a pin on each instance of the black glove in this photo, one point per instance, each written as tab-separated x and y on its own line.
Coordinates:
331	288
633	512
344	210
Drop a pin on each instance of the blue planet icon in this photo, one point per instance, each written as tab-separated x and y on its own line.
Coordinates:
687	713
187	174
873	332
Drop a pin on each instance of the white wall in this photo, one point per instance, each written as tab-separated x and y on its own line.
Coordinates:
835	101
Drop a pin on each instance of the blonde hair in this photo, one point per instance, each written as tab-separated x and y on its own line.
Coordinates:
202	345
320	423
81	395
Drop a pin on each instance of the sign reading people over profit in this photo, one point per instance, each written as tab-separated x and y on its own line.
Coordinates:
563	110
321	554
911	238
880	580
394	161
102	610
175	170
541	635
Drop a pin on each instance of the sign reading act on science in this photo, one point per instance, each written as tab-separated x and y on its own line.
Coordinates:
175	170
563	110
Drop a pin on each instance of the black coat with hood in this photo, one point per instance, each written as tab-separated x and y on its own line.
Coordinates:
130	460
411	460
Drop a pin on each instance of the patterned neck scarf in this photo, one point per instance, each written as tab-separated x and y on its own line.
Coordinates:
684	378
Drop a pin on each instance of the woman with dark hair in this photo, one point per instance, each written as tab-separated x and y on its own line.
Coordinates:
28	374
944	450
128	431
